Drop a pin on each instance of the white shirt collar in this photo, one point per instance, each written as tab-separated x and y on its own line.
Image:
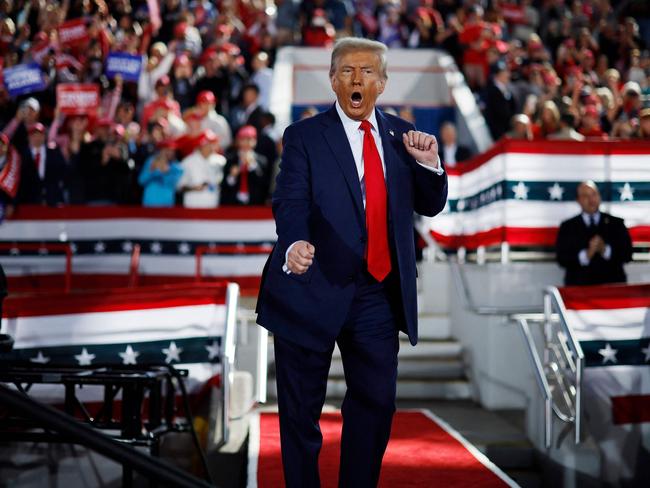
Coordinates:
587	218
350	125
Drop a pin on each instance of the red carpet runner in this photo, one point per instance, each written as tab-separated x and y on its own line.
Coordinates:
423	452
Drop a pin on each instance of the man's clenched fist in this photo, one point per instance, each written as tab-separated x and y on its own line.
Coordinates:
300	257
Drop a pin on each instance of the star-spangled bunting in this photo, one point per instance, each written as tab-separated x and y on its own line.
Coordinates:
627	192
129	356
100	247
155	247
521	191
40	359
608	354
556	192
213	350
127	246
84	359
184	248
172	353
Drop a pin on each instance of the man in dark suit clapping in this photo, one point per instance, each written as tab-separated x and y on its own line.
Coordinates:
43	170
593	246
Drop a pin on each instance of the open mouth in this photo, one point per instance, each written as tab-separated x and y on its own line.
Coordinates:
356	99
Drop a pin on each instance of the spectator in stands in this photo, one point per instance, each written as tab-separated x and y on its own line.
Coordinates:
499	100
102	165
247	112
183	81
593	246
246	180
211	120
160	175
262	77
9	176
160	61
202	174
449	151
549	121
567	130
318	30
644	124
521	128
26	116
42	172
590	124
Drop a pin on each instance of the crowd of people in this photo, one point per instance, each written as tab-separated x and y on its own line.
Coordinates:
195	127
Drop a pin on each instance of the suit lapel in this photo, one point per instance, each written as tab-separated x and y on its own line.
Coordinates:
338	142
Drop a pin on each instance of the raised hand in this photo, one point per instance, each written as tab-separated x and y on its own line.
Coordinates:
422	146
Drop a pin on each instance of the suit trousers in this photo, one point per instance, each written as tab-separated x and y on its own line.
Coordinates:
369	344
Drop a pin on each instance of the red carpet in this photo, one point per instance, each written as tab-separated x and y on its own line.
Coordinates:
422	452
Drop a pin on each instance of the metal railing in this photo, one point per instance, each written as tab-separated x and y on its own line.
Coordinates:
558	371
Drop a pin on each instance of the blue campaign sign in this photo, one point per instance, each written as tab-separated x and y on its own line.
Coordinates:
127	65
23	79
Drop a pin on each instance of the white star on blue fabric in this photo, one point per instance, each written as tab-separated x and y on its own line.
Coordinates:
40	359
84	358
129	356
627	192
213	350
100	247
521	191
127	246
156	247
184	248
556	192
608	354
172	352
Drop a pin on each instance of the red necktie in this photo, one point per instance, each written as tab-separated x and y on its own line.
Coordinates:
378	252
37	162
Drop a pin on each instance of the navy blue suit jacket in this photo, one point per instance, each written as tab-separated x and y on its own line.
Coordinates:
318	199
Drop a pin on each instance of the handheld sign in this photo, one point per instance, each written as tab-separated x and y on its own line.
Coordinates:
23	79
77	98
126	65
73	33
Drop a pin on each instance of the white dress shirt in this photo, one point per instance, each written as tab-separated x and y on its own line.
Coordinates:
582	255
355	138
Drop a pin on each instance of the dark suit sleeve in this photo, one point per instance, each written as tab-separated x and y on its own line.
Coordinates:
430	191
292	196
567	247
620	242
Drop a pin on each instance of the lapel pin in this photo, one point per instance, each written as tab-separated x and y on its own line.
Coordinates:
391	133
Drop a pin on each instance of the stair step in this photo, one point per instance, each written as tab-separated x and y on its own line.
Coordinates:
434	326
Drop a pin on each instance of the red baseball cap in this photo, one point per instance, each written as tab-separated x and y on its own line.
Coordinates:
591	111
37	127
206	96
247	131
208	137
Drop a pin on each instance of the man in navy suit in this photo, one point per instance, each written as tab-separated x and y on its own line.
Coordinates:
43	170
343	268
593	246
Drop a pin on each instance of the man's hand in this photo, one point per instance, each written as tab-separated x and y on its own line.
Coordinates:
301	257
596	246
422	146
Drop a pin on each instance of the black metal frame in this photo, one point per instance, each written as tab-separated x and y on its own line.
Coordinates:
27	423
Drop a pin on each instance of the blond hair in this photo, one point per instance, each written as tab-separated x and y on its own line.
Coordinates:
346	45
